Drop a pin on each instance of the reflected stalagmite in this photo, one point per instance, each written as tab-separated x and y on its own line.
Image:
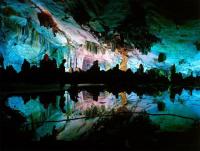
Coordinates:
123	98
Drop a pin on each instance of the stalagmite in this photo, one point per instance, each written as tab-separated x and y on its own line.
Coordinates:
123	64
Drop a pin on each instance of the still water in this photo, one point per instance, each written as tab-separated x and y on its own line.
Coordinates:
83	115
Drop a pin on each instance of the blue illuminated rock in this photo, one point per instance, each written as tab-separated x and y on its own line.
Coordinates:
64	35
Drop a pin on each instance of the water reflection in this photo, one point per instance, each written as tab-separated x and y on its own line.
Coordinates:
123	98
69	115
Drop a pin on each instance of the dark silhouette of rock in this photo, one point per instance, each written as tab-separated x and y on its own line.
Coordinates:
161	57
1	61
95	67
161	105
140	70
197	44
48	72
62	66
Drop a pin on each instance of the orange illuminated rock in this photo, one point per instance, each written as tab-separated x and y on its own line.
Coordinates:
123	64
123	98
46	20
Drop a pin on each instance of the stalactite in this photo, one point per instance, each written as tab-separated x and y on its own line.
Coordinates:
41	40
36	39
92	47
32	37
26	33
18	33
